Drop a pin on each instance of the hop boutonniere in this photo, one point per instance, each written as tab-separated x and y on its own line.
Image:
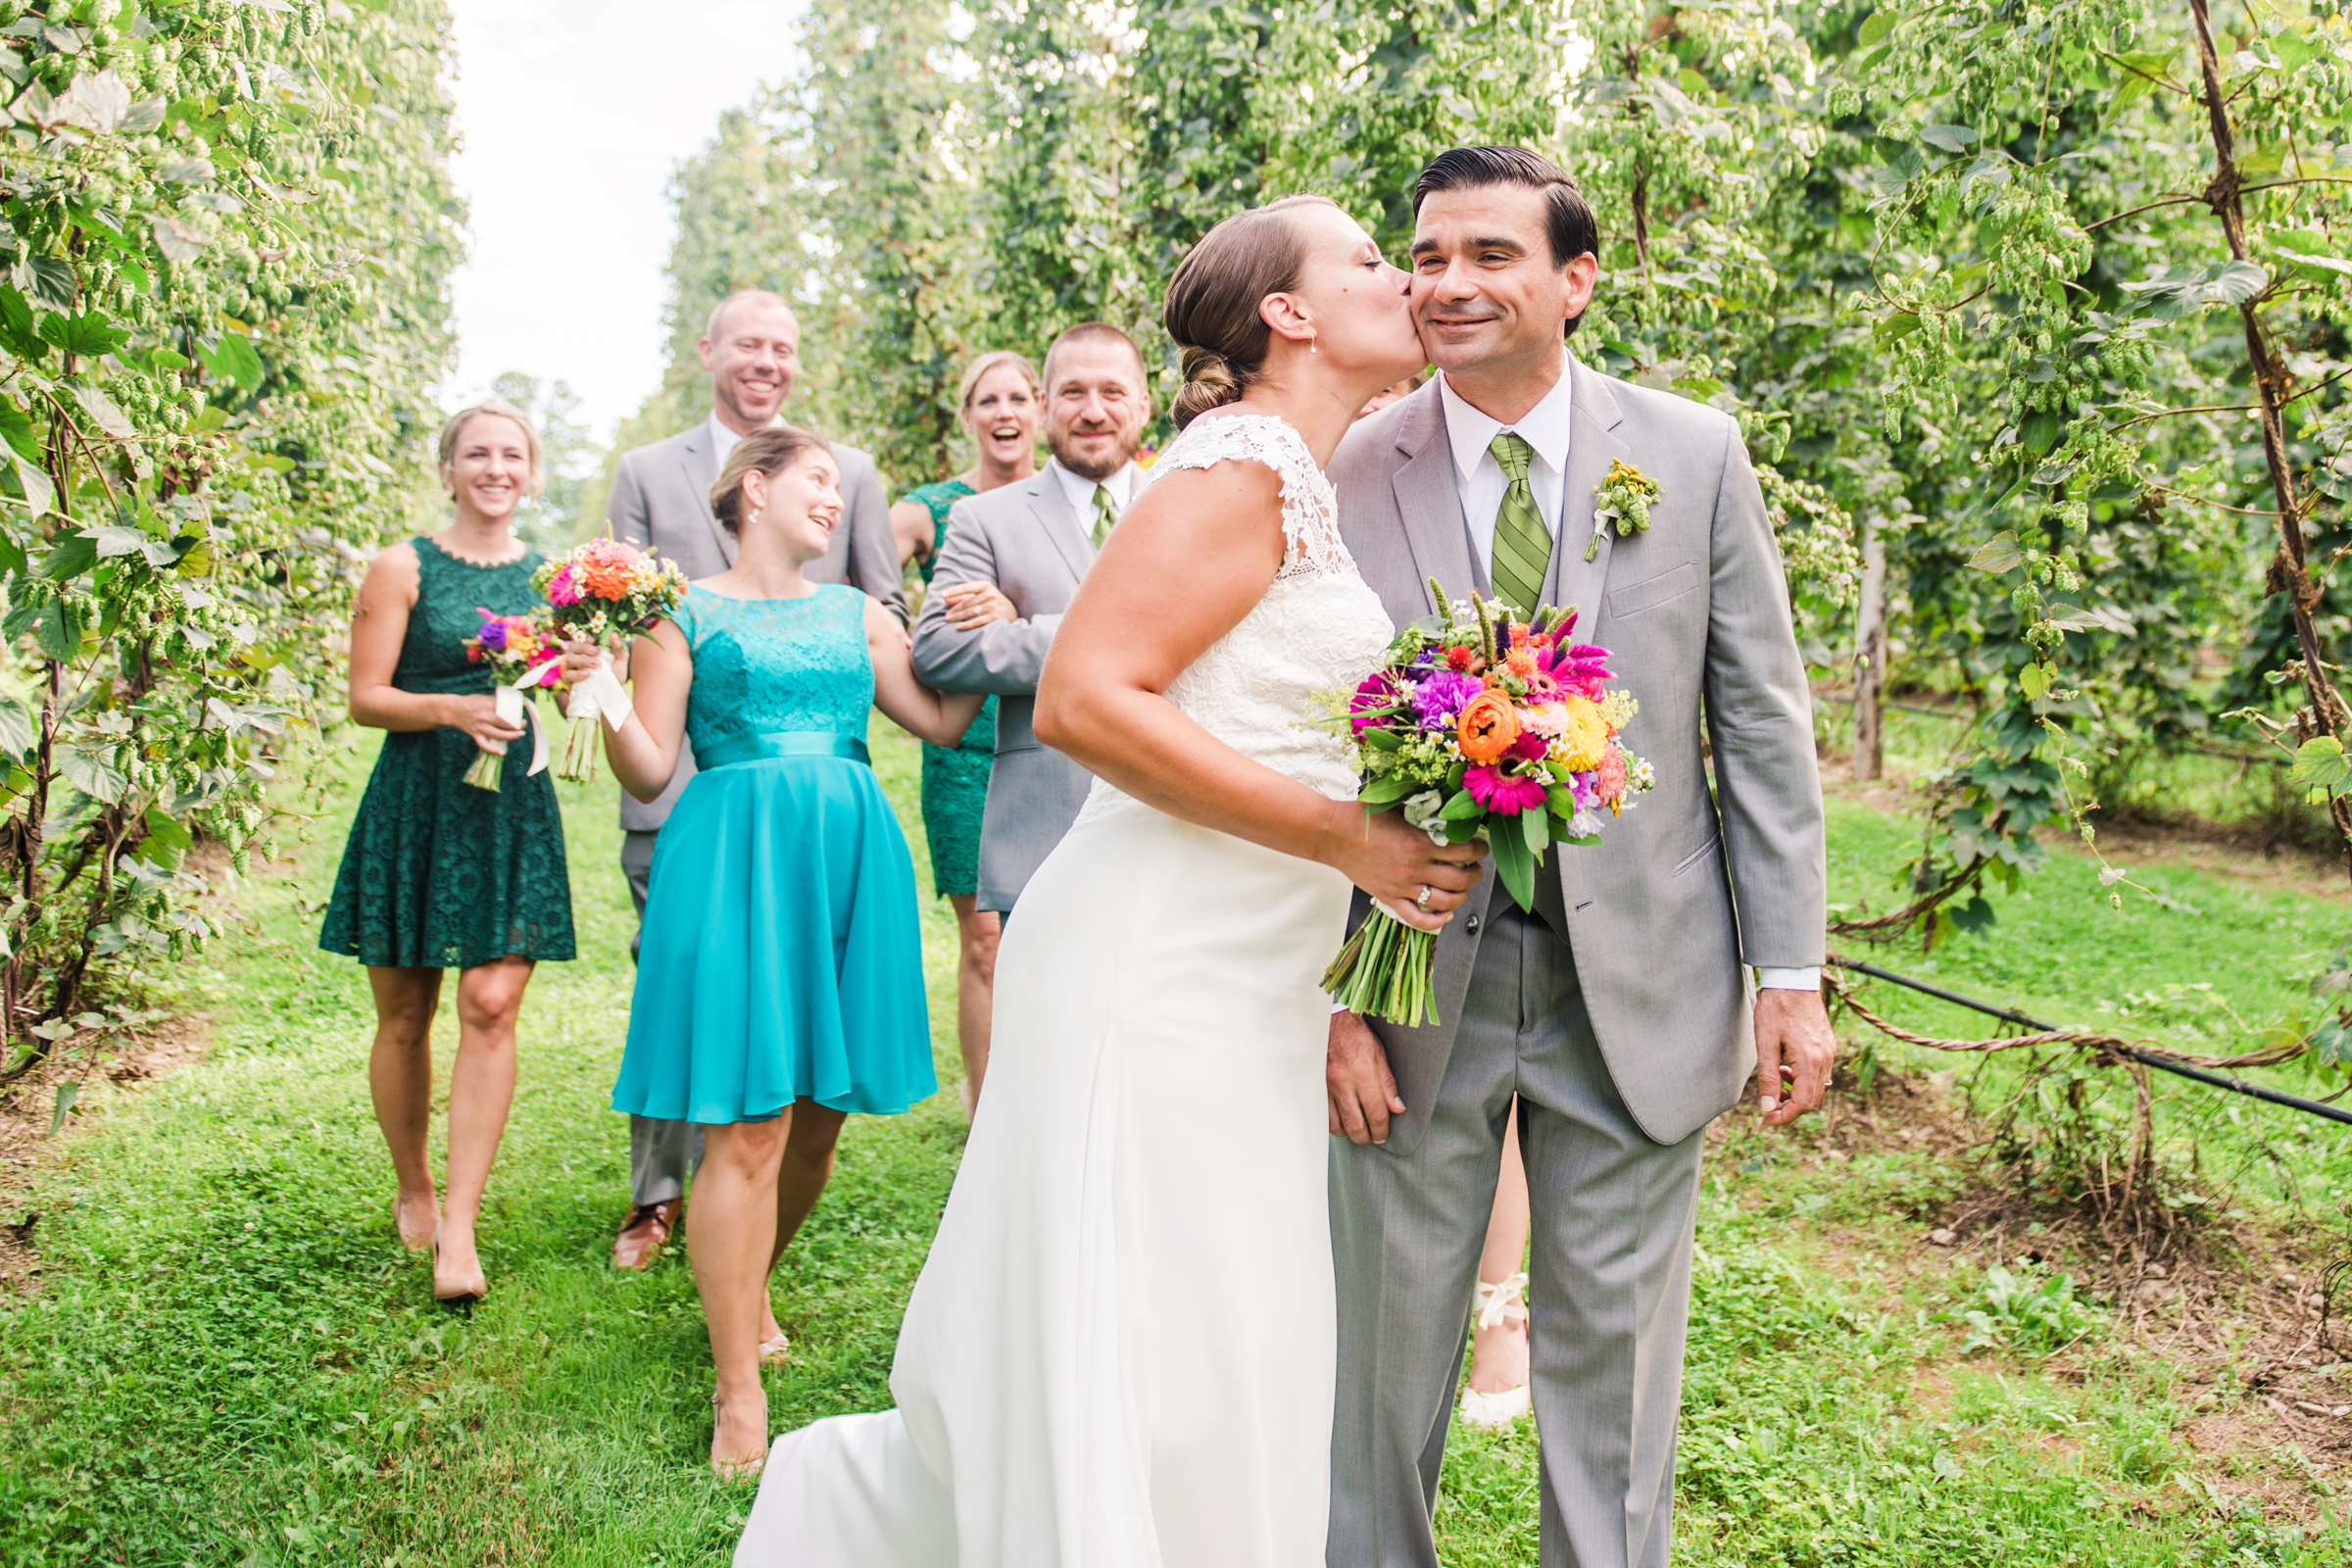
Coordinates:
1625	498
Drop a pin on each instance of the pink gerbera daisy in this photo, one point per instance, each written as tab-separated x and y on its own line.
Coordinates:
1501	793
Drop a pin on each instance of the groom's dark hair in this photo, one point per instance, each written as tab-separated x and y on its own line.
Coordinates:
1568	222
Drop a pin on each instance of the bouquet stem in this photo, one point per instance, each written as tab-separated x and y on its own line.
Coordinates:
1387	970
581	743
483	775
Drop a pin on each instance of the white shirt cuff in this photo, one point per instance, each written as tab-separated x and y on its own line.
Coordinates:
1790	979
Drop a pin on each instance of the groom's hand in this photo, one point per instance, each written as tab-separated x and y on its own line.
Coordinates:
1795	1051
1355	1072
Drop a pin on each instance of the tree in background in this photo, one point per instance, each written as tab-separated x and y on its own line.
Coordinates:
225	234
558	517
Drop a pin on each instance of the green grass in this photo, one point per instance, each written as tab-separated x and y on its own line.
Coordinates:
230	1360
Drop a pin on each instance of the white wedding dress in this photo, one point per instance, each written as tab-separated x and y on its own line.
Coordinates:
1120	1354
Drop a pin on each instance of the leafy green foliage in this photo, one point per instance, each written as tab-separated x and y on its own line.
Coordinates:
2034	1311
225	230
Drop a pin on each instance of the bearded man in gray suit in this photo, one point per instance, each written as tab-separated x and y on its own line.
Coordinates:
662	503
1012	561
1617	1017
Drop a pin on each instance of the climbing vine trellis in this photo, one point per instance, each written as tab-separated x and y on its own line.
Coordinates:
227	226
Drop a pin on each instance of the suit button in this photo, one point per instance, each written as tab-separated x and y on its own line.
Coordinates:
1471	925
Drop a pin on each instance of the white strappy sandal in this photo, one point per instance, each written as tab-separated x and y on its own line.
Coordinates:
1491	1307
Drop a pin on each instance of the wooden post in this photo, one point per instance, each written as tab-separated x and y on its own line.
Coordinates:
1869	653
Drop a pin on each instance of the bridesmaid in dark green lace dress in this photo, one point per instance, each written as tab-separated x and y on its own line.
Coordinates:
1000	408
439	874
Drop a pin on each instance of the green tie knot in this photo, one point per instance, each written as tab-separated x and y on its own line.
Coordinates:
1106	515
1511	449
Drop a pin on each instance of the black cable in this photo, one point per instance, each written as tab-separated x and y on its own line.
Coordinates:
2162	1064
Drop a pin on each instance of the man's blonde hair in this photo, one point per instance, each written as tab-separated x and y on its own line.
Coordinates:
744	296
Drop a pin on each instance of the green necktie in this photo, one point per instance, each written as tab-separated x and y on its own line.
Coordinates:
1522	544
1106	515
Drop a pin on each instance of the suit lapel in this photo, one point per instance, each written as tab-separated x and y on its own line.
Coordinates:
1593	445
700	462
1429	504
1061	525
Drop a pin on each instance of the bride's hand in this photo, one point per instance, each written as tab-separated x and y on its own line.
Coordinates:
1395	862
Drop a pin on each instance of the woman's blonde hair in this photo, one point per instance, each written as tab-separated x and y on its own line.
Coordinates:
986	363
765	451
453	428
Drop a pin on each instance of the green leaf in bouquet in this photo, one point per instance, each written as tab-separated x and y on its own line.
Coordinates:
1512	864
1560	800
1462	808
1455	774
1463	832
1535	826
1380	740
1387	791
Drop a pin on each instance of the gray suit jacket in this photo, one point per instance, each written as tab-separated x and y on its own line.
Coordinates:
1026	539
662	500
1695	615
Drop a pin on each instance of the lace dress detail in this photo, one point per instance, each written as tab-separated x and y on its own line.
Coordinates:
767	664
1320	627
437	873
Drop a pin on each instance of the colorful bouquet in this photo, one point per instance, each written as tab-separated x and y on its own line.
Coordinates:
1477	726
521	656
597	589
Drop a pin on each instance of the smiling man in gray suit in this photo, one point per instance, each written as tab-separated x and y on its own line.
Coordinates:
1032	543
661	502
1617	1017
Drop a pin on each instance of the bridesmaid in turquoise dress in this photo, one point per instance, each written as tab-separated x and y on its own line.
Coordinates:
439	874
781	982
1000	408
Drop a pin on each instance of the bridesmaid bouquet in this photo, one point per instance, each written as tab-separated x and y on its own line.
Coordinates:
521	656
1477	726
597	589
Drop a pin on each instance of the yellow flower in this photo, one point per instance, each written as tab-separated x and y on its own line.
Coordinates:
1584	738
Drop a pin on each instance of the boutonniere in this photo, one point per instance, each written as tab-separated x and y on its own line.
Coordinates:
1624	498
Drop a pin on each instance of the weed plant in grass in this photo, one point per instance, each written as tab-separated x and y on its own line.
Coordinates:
230	1361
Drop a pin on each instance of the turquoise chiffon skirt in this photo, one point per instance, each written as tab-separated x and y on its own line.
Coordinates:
781	959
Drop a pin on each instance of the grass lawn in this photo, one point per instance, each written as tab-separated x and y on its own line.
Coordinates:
227	1359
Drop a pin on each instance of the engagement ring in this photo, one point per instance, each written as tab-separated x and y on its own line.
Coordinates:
1423	900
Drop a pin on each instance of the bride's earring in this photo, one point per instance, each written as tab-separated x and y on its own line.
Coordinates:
1310	343
756	514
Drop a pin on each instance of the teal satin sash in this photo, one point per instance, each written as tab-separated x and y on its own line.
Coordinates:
782	743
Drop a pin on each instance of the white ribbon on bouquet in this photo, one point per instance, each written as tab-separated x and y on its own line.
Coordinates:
600	695
523	714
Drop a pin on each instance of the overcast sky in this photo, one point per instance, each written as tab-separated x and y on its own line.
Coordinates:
572	114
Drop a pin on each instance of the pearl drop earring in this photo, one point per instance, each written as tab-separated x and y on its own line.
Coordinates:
756	514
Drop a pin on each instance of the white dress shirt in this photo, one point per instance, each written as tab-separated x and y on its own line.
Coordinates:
723	437
1081	491
1480	481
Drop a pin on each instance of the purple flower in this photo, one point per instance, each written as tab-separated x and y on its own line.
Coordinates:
1442	696
493	634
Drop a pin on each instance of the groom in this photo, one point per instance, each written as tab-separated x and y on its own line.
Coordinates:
1618	1013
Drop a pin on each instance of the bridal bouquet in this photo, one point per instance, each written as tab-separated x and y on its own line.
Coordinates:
599	588
523	657
1477	726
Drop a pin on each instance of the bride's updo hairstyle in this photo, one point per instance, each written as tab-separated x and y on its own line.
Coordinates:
1211	310
769	451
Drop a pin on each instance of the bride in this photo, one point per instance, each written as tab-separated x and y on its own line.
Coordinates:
1120	1354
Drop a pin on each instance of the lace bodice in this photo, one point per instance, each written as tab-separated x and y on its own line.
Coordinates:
761	666
432	655
1318	629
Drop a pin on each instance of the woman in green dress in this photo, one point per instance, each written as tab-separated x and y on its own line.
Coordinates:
1000	406
437	873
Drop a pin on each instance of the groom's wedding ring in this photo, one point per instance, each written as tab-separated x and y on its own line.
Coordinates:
1423	900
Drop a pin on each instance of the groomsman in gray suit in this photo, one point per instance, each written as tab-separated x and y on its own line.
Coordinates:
1618	1016
1029	545
661	502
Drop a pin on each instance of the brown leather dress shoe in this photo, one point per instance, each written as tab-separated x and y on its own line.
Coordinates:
647	1232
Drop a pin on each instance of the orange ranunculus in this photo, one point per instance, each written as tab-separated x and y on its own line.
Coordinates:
1486	726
